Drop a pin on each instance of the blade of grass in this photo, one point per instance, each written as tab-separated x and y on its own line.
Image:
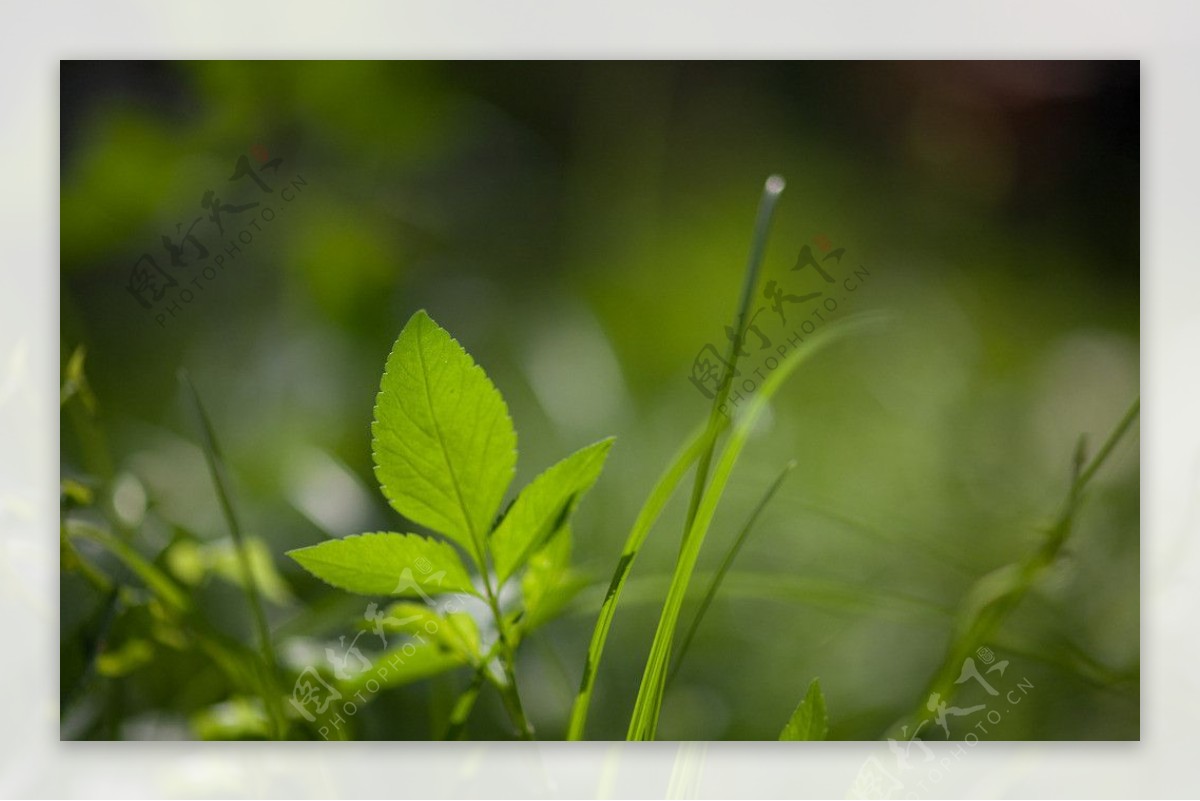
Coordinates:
699	448
995	595
726	563
717	420
270	690
659	495
644	722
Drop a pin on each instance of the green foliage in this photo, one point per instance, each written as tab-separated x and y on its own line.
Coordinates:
660	494
192	562
994	596
809	721
445	449
456	632
386	564
644	723
550	583
445	454
543	507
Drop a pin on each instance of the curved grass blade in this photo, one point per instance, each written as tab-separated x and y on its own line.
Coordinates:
726	563
990	600
644	722
699	448
659	495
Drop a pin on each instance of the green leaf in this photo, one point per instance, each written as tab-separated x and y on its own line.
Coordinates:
130	656
455	631
651	509
544	506
444	445
549	584
75	382
809	721
402	665
386	564
240	718
191	562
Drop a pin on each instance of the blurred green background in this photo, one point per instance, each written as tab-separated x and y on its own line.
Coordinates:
581	228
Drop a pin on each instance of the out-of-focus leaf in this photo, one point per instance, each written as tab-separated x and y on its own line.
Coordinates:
75	383
545	505
386	563
191	562
155	580
121	661
402	665
454	630
240	718
75	492
444	445
809	721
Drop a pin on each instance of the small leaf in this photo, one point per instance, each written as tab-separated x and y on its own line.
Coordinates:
75	382
402	665
239	718
544	506
809	721
455	631
386	564
191	562
549	584
444	446
124	660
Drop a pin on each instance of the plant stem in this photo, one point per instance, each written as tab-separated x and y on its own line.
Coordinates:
509	692
994	596
271	701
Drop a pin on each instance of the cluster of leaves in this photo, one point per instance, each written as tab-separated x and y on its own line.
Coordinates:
445	454
142	611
